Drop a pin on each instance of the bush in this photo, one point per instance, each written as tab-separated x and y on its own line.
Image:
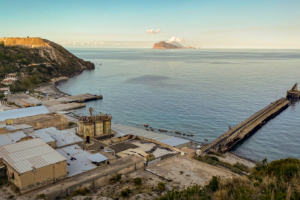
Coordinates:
14	188
125	192
236	170
161	186
41	196
81	192
72	123
137	181
3	181
11	196
116	178
241	166
214	184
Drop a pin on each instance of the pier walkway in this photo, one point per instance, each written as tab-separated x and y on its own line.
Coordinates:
229	139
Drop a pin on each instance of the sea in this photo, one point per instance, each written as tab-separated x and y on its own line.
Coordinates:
197	91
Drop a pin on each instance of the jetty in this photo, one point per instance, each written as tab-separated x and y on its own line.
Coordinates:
80	98
246	128
294	93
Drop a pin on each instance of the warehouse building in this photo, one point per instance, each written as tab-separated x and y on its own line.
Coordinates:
31	164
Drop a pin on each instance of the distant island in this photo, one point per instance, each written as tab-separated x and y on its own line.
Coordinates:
170	45
26	62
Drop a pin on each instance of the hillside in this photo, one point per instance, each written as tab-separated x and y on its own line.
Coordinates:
165	45
38	58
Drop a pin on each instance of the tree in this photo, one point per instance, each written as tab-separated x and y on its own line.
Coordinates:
1	55
34	80
19	74
214	184
20	56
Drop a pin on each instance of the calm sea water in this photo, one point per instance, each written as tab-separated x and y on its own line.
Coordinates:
196	91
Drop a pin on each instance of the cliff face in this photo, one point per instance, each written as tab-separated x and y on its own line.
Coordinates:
164	45
37	50
33	42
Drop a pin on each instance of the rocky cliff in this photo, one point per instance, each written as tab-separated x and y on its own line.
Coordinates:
165	45
15	51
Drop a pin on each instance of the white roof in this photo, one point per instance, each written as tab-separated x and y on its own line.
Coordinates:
166	139
62	137
22	126
174	141
97	157
23	112
27	155
81	164
11	138
42	134
10	128
125	130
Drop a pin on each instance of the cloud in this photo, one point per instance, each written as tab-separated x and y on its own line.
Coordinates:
175	39
152	31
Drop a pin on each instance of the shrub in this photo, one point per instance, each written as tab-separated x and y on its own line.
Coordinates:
214	158
116	178
81	192
71	123
15	188
137	181
125	192
242	194
3	181
11	196
214	184
236	170
241	166
41	196
161	186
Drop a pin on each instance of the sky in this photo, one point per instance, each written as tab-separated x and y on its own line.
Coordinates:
128	23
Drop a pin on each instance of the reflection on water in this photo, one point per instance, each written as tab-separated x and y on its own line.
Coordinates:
196	91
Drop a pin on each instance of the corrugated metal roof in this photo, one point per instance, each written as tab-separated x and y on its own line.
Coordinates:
42	134
81	164
23	112
26	155
166	139
174	141
11	138
124	130
97	157
63	137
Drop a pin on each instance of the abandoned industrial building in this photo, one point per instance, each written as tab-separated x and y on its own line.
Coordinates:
38	148
32	163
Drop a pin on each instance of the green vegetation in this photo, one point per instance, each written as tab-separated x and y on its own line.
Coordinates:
125	192
81	192
72	123
3	181
137	181
41	196
11	196
277	180
238	168
116	178
161	186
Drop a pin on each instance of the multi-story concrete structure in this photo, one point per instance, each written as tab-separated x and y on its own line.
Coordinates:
94	126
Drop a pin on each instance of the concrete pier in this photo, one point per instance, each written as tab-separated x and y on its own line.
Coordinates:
243	130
